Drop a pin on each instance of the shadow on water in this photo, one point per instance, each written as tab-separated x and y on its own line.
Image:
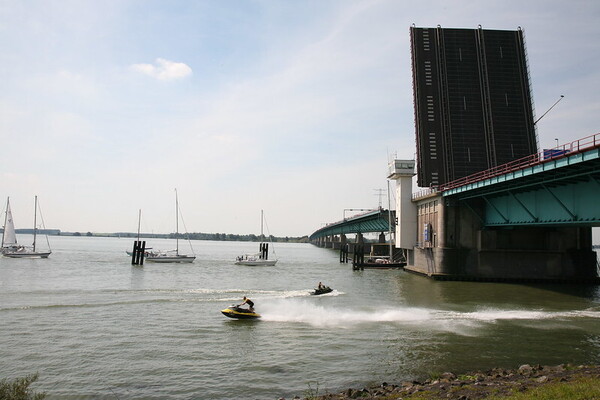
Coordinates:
422	291
587	291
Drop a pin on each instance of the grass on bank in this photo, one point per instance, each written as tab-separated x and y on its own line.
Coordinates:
18	389
580	388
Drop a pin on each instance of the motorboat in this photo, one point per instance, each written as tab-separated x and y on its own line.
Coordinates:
379	263
322	290
238	312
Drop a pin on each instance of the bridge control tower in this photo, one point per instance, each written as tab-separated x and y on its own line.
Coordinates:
402	171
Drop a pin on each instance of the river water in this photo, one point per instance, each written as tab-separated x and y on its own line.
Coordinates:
95	327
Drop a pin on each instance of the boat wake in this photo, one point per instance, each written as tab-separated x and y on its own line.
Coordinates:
309	312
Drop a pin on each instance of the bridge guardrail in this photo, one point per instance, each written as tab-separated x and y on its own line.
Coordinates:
541	157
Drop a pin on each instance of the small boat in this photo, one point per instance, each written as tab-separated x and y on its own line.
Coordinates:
238	312
254	260
379	263
323	290
10	247
172	256
147	251
262	257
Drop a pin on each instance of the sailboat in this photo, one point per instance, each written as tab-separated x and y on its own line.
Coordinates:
172	256
147	251
262	257
10	247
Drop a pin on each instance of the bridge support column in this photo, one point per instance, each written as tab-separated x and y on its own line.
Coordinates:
453	244
343	249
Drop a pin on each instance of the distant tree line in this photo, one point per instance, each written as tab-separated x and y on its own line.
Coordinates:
230	237
197	236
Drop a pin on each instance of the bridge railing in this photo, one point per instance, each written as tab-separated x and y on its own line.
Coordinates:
541	157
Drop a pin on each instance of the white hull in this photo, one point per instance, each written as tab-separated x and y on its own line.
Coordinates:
27	254
256	263
171	259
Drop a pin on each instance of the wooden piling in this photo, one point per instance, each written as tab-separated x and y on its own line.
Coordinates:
139	250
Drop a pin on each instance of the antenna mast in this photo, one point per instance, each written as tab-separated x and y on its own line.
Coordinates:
537	120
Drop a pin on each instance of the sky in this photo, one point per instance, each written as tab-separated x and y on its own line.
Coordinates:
291	107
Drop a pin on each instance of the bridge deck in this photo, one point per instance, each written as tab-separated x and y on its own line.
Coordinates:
372	221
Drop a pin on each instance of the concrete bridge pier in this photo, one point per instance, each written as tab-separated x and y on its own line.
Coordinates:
344	249
454	245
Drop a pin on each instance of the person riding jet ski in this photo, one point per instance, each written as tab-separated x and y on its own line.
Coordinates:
237	312
249	302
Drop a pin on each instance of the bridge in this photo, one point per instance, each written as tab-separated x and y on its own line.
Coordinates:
380	221
530	219
555	187
368	222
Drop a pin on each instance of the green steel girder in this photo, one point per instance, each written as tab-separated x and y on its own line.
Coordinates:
561	203
573	202
560	193
492	205
514	196
374	221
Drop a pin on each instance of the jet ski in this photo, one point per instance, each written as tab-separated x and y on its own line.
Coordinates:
238	312
323	290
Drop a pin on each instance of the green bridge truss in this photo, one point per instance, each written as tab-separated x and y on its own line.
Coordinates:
562	191
372	221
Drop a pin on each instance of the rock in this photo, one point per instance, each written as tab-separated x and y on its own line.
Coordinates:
448	375
525	369
355	394
542	379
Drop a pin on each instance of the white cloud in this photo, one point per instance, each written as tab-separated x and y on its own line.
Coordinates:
164	70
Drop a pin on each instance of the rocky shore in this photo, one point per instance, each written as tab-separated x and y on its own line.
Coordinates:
471	386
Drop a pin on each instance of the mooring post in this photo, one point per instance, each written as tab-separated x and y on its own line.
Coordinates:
139	249
142	252
133	252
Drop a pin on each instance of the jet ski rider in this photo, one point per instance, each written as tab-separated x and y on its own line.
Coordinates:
249	302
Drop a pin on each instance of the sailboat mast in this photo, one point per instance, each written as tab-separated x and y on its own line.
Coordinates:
139	222
261	225
34	222
177	222
5	219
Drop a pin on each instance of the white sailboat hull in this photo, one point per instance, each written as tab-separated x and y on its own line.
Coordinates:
27	254
171	259
256	263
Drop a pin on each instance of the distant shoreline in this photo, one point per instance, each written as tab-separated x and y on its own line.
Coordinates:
225	237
